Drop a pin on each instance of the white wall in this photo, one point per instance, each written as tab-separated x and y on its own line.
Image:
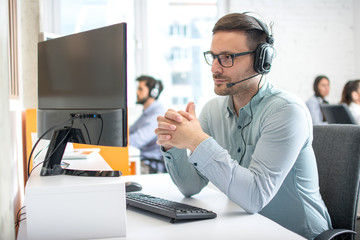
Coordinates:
357	36
7	230
311	37
29	31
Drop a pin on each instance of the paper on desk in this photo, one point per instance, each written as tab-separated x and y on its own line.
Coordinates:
81	153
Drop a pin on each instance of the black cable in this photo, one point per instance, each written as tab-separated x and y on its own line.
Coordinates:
36	166
251	118
102	126
17	224
87	132
46	132
18	216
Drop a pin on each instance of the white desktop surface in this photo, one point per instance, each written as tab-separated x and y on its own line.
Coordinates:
232	222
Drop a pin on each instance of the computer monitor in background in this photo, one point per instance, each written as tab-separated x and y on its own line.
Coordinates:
337	113
82	93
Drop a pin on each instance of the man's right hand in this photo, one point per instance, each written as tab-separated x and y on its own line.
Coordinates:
180	129
166	124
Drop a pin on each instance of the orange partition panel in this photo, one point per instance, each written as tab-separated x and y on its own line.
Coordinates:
116	157
29	126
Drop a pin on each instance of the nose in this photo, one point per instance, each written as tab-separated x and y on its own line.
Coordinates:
216	66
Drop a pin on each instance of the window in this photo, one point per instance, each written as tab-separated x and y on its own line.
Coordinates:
166	39
14	79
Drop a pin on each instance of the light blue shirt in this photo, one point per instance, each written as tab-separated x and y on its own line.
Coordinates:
277	176
313	104
142	132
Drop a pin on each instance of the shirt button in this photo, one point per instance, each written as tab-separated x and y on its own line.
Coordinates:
239	127
195	164
239	150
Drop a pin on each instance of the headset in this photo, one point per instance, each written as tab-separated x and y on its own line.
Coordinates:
264	52
155	91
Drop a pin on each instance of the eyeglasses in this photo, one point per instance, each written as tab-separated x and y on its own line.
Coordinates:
226	59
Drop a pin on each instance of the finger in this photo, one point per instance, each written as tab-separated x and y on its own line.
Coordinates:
190	108
186	115
175	116
166	126
164	137
162	119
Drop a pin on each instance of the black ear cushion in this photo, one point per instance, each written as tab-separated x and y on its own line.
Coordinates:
263	58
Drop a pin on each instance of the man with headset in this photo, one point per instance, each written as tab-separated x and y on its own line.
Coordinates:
141	133
254	142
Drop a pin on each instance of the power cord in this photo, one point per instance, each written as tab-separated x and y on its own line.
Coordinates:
101	129
18	217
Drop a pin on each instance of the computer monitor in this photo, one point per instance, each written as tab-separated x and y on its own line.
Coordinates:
82	93
337	113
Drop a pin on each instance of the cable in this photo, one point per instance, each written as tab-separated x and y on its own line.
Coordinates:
251	118
102	126
46	132
36	157
36	166
18	215
87	132
72	118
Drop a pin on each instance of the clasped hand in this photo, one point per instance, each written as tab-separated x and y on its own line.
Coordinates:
180	129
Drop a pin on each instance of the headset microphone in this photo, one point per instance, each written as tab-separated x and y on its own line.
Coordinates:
229	85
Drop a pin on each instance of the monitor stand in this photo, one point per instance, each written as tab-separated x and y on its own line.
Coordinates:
58	142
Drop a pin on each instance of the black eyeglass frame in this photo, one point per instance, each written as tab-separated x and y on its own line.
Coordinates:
232	55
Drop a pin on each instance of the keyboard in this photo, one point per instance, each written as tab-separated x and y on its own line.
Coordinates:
174	210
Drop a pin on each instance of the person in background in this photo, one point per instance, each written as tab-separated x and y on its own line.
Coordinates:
254	142
321	90
351	96
141	133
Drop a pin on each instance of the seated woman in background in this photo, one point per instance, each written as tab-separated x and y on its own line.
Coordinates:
351	96
321	89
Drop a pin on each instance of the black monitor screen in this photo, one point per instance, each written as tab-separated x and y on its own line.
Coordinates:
84	71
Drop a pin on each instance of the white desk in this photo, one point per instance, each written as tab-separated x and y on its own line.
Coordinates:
231	223
74	207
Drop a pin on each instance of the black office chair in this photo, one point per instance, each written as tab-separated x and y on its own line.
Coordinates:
337	151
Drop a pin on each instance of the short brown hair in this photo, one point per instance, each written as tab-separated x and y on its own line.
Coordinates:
242	22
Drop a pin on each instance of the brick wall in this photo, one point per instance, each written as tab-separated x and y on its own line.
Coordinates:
312	37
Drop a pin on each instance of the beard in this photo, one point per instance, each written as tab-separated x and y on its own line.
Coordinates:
221	89
241	87
141	101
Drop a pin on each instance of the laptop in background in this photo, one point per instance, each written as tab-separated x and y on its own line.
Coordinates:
337	113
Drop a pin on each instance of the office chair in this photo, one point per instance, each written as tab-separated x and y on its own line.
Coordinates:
337	151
